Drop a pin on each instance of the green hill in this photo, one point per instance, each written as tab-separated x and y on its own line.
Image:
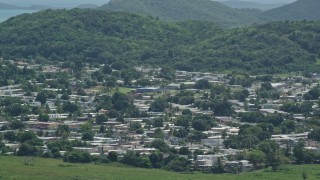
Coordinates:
299	10
181	10
105	37
248	4
97	36
39	168
270	48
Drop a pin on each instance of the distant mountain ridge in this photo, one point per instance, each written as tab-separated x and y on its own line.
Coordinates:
87	6
299	10
181	10
91	36
8	6
4	6
252	5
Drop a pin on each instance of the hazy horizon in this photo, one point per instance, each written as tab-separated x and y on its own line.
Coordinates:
73	3
264	1
54	3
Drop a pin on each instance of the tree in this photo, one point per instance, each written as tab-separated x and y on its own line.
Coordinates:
133	159
202	84
26	136
167	73
315	134
55	152
256	157
120	101
76	157
70	107
26	149
101	119
63	131
156	159
158	134
42	97
10	136
180	133
87	136
113	156
158	122
159	105
1	137
184	151
222	108
107	69
203	123
178	164
298	152
183	121
219	167
187	112
43	118
160	144
276	119
15	109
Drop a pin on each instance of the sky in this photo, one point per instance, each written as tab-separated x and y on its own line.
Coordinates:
73	3
54	3
267	1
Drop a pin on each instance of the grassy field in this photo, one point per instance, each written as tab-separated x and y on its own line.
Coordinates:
43	169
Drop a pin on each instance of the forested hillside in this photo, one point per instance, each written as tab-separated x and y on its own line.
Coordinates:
105	37
299	10
97	36
271	48
252	5
181	10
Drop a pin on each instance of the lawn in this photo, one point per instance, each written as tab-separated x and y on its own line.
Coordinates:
14	168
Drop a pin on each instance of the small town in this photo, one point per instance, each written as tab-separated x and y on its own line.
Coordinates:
158	117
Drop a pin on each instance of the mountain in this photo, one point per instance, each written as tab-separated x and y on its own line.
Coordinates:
54	3
93	36
180	10
38	7
275	47
299	10
251	5
8	6
32	7
98	36
87	6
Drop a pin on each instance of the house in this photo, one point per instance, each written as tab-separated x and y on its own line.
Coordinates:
149	90
238	166
205	161
213	141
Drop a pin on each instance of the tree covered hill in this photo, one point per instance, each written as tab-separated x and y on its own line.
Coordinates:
252	5
97	36
181	10
299	10
105	37
271	48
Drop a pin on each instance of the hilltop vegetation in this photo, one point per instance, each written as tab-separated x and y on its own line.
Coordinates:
80	36
181	10
95	36
271	48
252	5
299	10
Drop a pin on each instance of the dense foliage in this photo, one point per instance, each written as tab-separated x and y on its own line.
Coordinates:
181	10
121	39
104	37
299	10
